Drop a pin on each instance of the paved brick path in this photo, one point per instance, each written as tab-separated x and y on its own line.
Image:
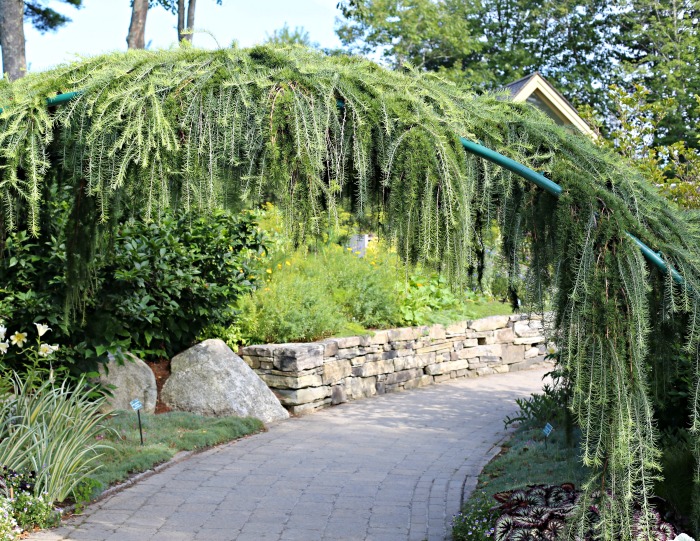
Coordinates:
388	468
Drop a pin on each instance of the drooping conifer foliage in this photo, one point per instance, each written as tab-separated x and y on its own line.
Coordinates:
196	130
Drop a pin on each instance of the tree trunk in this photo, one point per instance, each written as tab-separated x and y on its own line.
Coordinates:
190	16
180	19
137	29
14	60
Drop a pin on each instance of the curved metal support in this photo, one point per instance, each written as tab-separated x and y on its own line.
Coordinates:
59	99
63	98
516	167
554	189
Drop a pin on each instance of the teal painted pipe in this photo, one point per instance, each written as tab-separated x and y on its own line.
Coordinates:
656	259
554	189
516	167
63	98
58	100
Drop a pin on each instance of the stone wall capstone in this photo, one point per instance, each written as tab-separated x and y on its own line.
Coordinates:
307	377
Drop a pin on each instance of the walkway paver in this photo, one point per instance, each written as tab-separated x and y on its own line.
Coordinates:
388	468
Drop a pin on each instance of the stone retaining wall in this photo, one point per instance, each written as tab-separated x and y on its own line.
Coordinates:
307	377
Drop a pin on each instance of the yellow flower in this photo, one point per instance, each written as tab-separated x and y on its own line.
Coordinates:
279	265
288	263
269	271
18	339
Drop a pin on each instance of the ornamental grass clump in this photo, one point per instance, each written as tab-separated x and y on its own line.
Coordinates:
48	427
199	129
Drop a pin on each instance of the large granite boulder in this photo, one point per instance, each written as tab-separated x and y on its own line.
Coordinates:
210	379
128	379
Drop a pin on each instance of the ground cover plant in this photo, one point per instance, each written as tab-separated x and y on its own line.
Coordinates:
197	130
164	436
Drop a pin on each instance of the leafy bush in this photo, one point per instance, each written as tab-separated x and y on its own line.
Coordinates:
153	290
311	296
292	308
30	510
429	299
169	280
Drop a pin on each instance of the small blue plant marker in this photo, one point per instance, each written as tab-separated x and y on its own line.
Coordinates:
136	405
547	430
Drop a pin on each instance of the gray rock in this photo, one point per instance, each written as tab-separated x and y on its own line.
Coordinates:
338	395
130	379
210	379
489	323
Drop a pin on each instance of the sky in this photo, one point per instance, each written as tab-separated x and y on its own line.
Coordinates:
101	26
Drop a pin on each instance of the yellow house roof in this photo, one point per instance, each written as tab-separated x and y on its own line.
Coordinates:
536	90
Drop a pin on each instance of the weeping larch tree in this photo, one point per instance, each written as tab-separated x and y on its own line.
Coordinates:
197	129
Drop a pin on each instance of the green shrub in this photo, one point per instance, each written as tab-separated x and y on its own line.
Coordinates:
291	308
311	296
153	290
32	510
169	280
364	287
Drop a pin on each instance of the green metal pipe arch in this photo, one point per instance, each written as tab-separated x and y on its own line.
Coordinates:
494	157
554	189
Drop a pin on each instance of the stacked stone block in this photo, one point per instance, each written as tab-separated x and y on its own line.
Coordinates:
307	377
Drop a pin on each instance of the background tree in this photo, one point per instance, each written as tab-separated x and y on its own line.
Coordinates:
288	36
13	14
185	11
14	60
488	43
658	46
136	39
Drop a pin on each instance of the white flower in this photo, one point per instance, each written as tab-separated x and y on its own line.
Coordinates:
45	350
551	348
684	537
18	339
4	346
54	347
42	328
3	330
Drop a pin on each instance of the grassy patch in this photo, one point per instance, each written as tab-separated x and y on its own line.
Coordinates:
526	460
163	435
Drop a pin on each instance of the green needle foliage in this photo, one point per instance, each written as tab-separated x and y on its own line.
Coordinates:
197	130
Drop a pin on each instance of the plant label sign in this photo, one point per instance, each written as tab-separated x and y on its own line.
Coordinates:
136	404
547	429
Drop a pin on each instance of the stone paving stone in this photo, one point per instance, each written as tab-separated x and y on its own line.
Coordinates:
389	468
